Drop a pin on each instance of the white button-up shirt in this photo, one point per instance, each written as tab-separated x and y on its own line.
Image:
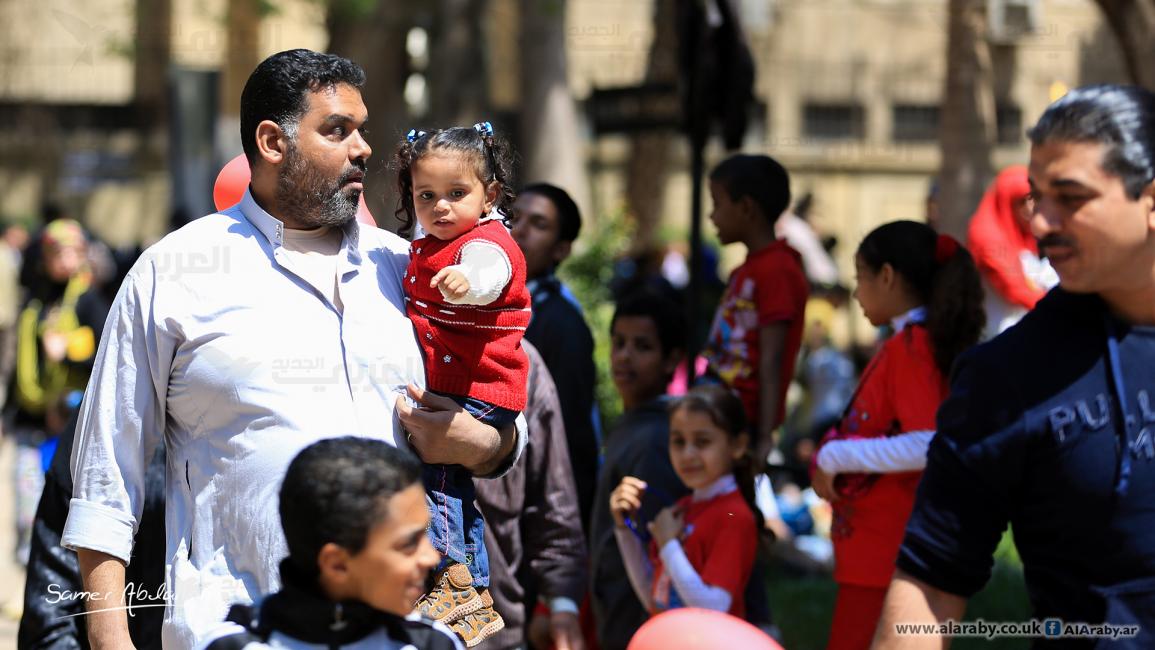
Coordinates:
218	349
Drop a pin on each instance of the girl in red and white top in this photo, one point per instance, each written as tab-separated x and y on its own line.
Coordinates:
703	547
927	288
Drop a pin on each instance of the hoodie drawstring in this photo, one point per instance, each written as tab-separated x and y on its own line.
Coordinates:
1119	388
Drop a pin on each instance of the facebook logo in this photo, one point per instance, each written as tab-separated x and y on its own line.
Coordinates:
1052	627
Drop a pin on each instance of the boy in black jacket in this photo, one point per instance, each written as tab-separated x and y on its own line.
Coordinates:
354	515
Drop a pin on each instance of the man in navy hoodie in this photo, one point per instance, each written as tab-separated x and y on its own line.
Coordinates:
1049	427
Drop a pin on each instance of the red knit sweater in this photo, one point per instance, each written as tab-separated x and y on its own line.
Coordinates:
470	350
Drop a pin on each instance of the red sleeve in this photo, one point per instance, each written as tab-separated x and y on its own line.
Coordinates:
731	556
775	291
916	387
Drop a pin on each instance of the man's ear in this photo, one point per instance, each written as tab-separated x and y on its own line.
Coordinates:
272	143
561	251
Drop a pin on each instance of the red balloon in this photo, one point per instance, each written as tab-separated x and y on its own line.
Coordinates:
231	183
234	180
688	628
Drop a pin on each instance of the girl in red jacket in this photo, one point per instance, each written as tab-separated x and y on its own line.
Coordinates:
926	287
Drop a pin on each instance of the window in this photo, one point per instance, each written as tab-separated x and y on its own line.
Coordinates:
833	121
915	123
1009	122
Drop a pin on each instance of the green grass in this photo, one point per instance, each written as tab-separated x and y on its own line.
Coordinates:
802	607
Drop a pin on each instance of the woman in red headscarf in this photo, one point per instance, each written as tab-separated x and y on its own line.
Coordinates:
1005	251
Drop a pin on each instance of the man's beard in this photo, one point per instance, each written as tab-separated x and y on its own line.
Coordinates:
308	198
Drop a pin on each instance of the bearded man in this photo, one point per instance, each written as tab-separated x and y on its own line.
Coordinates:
239	340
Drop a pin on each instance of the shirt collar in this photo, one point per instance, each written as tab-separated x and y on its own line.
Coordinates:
274	229
724	485
916	315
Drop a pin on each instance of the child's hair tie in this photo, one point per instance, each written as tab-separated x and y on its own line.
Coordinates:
944	249
484	128
413	135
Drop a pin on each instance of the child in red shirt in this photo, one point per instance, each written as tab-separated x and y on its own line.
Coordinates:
703	547
757	329
465	294
927	287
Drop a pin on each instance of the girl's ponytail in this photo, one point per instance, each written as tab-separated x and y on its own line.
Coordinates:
943	276
955	316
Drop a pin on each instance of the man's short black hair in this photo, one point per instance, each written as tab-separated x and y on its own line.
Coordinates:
761	178
569	218
278	87
668	316
1121	118
336	490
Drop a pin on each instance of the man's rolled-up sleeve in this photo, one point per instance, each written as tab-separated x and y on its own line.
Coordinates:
967	493
121	420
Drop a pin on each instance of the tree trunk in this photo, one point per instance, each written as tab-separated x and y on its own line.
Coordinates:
243	24
151	101
1133	22
648	165
456	78
552	146
967	132
377	42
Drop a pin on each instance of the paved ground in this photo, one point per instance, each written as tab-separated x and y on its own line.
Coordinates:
11	575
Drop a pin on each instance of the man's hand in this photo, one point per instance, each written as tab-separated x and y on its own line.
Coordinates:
452	282
668	525
823	484
103	577
442	433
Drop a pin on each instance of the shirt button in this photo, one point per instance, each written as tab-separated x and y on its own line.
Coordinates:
418	251
412	279
429	335
447	358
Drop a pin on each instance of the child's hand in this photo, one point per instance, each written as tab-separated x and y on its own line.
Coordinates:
668	525
626	499
453	283
823	484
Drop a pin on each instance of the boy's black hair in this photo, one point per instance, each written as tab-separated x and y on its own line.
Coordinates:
336	490
1121	118
490	155
669	317
277	89
568	216
759	177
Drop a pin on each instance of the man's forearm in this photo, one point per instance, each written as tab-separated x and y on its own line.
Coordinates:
494	446
910	600
103	577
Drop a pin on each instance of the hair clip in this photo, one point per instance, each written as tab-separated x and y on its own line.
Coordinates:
413	135
484	128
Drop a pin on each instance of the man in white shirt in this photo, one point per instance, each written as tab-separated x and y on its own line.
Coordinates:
240	339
